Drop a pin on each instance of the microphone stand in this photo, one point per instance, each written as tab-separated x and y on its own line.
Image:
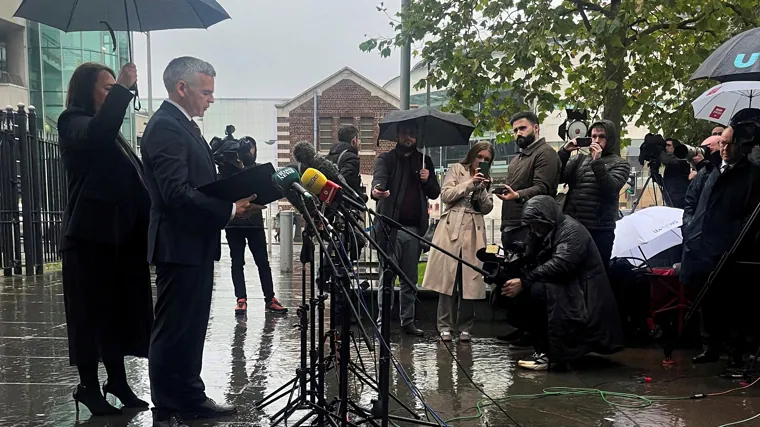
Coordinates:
381	405
345	343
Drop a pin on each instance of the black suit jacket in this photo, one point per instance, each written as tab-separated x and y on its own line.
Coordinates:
108	202
185	225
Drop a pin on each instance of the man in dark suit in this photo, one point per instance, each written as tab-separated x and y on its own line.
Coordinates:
183	241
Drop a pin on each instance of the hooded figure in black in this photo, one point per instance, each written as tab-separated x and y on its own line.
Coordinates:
595	181
569	293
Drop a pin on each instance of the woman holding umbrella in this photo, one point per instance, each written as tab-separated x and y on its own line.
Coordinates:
106	278
462	231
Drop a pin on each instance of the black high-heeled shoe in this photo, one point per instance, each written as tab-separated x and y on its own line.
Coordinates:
94	401
125	395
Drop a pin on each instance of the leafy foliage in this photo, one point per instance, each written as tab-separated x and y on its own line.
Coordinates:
629	60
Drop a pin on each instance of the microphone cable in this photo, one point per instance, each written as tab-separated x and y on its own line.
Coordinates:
435	325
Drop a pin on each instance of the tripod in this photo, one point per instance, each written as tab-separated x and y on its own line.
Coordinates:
728	257
654	172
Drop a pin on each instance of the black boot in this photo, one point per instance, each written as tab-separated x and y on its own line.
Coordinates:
94	401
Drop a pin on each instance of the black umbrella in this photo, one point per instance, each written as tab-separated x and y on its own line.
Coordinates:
434	127
735	60
122	15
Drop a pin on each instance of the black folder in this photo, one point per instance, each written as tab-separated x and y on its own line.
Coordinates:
252	180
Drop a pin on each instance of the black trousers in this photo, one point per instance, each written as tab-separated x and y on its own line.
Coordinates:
257	244
604	240
182	311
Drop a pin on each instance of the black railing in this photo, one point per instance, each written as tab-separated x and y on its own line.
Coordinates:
32	194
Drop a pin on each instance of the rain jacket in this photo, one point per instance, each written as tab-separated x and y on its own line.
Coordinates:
580	306
347	158
595	185
718	206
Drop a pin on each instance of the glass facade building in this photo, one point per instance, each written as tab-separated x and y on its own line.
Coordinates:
53	57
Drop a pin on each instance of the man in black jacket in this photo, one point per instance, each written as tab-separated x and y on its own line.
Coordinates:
402	184
184	240
572	307
250	229
726	195
345	154
676	175
595	181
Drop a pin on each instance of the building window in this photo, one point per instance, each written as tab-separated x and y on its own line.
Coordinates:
325	133
367	134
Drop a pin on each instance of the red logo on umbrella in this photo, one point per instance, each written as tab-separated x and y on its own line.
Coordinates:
714	90
717	112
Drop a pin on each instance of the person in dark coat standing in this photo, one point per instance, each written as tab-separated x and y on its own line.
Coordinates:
574	309
184	240
676	175
595	181
106	278
725	194
249	230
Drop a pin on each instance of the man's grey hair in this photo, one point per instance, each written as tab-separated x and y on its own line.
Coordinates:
185	68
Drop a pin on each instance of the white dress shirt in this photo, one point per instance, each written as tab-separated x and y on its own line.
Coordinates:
190	119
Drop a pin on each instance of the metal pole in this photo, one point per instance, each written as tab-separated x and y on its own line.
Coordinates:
150	78
286	241
316	120
406	64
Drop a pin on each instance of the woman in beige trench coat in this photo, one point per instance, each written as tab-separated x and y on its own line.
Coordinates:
461	231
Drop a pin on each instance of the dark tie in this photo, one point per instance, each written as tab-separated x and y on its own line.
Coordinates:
197	128
725	168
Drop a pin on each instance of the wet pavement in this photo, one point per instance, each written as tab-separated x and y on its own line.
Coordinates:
246	359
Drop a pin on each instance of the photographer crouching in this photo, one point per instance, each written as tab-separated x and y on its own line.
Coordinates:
573	310
232	156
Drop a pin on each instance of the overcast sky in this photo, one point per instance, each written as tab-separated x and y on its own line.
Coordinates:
277	48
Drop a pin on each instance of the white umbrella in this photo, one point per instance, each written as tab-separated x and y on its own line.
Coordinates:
719	103
646	233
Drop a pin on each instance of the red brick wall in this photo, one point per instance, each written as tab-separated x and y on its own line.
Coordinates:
344	99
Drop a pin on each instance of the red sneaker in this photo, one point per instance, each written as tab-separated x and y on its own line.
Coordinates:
275	307
241	307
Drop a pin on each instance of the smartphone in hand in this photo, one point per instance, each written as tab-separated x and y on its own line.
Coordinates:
485	168
583	142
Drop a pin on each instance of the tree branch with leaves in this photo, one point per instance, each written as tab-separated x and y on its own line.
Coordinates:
632	58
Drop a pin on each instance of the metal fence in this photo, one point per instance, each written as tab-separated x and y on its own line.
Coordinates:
32	194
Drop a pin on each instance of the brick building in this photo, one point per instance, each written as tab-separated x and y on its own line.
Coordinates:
345	97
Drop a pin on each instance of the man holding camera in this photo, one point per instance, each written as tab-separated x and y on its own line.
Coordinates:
595	180
676	175
232	156
727	195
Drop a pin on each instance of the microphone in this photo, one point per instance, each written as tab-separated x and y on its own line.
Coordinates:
305	154
288	179
328	191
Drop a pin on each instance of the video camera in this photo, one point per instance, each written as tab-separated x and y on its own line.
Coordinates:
651	149
501	266
746	125
228	151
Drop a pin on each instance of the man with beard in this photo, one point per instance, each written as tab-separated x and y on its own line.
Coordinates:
533	172
402	184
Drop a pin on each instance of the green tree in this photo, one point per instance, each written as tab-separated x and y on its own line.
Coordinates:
622	60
